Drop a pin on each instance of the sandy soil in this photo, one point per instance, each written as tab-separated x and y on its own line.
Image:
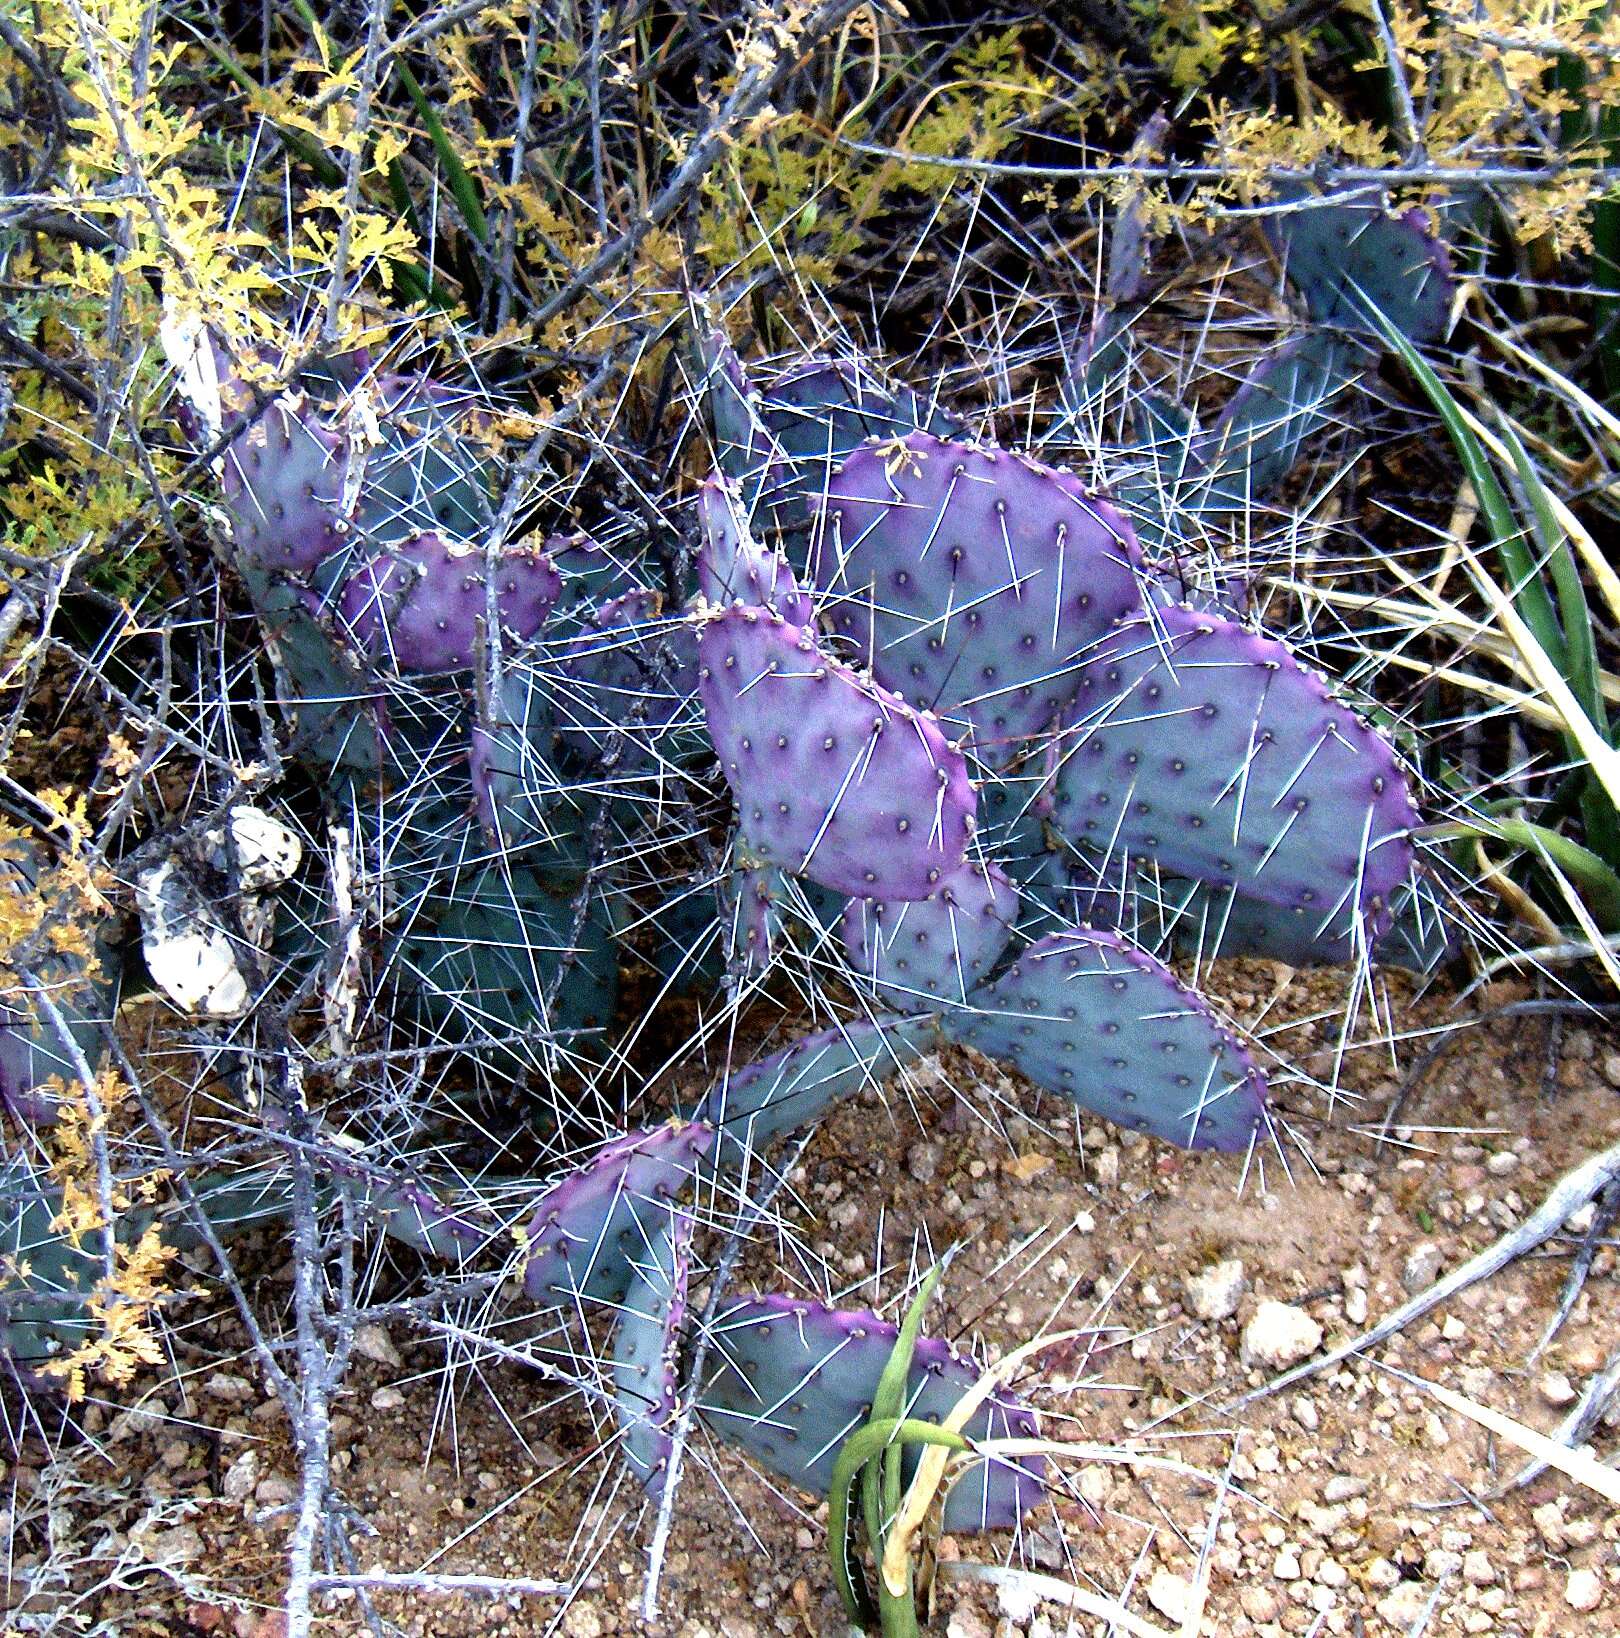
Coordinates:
1356	1503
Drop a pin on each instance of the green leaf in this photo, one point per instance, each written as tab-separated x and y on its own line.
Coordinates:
462	186
1597	881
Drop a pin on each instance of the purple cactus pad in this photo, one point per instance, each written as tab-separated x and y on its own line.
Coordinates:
754	1105
835	778
918	954
1089	1016
646	1348
1210	751
732	567
420	603
974	581
283	480
1352	255
587	1227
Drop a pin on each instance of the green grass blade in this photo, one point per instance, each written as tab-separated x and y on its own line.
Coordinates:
1597	880
1575	617
881	1483
462	186
866	1445
1525	584
1581	664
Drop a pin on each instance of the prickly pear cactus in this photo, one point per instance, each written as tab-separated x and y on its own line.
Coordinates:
927	743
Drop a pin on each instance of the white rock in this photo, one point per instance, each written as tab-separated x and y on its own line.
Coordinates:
1556	1389
1017	1600
1422	1266
1279	1335
1478	1571
582	1621
241	1477
1503	1164
1405	1606
1380	1575
267	852
387	1399
1583	1590
188	952
1215	1293
373	1342
1171	1595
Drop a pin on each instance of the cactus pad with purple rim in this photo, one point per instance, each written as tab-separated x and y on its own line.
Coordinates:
1092	1018
283	480
421	603
586	1228
917	954
1211	752
414	1215
745	450
835	778
646	1348
1347	257
732	567
795	1379
752	1106
974	581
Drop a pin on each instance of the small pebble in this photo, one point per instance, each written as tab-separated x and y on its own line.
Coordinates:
1172	1595
374	1343
1279	1335
274	1491
1478	1571
1557	1390
1405	1606
1259	1604
1583	1590
240	1477
1422	1267
1216	1292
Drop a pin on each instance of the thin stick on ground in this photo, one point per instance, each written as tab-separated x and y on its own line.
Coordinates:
1569	1194
1584	1416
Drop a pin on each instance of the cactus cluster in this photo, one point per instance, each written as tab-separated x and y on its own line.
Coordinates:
932	714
